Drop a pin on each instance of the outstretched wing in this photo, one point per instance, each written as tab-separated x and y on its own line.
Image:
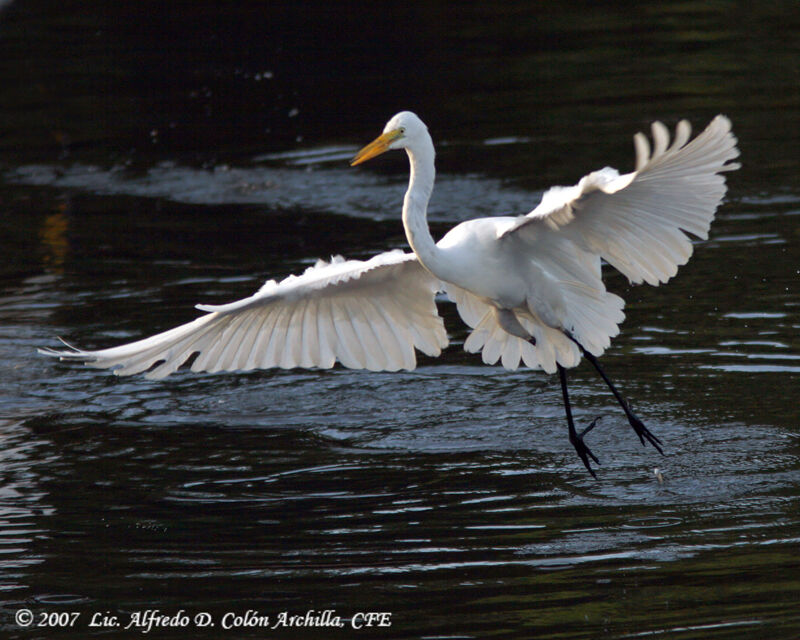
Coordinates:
365	314
638	221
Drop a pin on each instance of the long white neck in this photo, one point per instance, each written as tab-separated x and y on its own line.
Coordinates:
415	205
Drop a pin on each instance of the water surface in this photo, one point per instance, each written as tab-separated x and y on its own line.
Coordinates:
154	158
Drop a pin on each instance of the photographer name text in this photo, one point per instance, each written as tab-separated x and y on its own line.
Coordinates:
149	620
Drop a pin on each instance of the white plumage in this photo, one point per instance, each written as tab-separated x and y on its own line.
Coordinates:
366	315
530	287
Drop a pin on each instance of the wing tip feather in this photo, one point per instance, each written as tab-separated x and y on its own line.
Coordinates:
72	353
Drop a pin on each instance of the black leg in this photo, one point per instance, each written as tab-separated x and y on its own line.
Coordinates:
574	437
638	426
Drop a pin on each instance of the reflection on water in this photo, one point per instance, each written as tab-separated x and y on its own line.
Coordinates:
336	190
23	503
449	495
53	234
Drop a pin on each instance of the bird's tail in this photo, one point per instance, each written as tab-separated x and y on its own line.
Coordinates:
593	327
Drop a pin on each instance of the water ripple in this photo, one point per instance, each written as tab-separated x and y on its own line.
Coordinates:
346	192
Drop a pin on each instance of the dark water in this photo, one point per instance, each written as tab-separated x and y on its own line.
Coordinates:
156	155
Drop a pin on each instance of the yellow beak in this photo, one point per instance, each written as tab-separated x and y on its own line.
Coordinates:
375	148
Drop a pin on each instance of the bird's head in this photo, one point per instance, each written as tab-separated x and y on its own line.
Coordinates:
399	133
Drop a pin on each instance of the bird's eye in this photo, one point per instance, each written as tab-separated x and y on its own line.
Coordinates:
402	130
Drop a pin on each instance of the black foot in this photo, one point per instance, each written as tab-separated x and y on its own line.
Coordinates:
643	432
645	435
584	453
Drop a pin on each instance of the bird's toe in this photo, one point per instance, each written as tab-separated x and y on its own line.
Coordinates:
645	435
583	451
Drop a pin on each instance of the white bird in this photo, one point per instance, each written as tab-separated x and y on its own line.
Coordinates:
529	286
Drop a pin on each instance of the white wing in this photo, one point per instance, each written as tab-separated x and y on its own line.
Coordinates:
638	221
566	292
367	315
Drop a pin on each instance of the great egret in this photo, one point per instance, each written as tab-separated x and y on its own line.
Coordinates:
530	286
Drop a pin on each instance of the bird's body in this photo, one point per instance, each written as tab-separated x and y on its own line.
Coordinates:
530	287
477	262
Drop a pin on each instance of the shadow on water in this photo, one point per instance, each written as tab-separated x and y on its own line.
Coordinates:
140	179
